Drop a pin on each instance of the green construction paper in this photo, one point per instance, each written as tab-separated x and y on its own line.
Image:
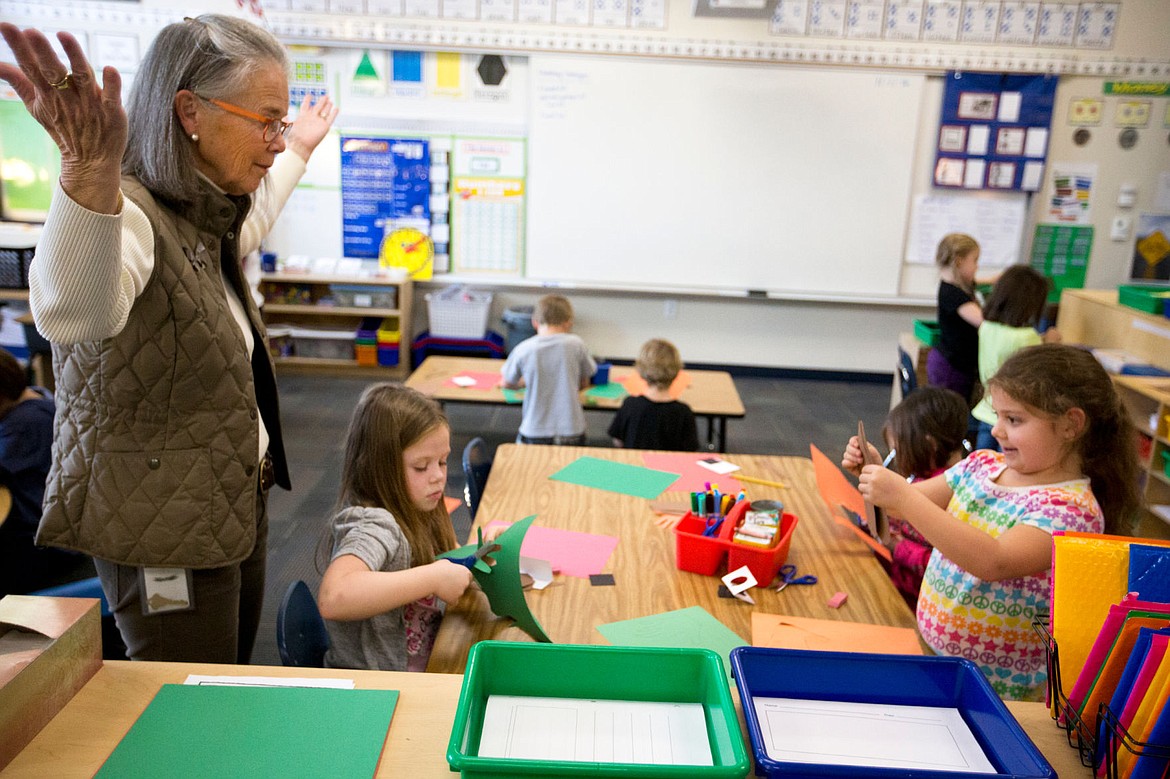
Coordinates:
692	627
513	395
610	391
636	480
200	731
501	582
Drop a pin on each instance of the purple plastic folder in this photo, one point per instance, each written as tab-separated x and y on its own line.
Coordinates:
1114	619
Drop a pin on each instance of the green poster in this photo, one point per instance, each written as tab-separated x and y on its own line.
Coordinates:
1061	252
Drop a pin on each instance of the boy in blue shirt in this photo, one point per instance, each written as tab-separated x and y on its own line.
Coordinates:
554	365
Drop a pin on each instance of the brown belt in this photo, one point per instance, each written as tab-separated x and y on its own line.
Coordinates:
267	473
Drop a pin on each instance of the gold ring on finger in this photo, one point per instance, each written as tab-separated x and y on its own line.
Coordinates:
63	83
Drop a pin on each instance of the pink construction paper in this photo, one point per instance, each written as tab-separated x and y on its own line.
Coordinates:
571	552
693	477
483	379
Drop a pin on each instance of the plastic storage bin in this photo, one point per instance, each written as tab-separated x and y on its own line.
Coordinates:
323	344
1149	299
458	312
14	264
948	682
518	324
364	296
702	554
595	672
926	331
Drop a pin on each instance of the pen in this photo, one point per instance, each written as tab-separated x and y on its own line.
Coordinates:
764	482
889	458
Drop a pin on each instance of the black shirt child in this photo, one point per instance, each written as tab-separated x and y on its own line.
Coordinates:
642	423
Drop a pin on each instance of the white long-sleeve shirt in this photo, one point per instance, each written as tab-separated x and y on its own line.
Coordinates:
89	268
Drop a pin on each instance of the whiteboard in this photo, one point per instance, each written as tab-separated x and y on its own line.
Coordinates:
719	176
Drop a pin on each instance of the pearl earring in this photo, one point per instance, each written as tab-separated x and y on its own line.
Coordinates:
195	137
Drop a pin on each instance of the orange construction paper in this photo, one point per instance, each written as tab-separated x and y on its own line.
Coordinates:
451	503
636	385
836	491
777	631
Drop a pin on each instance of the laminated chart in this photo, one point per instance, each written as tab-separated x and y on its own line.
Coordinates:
487	205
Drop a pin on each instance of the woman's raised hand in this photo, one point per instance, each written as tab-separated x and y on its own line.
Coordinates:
312	123
86	120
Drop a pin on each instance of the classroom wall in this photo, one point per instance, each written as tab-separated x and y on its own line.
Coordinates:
798	331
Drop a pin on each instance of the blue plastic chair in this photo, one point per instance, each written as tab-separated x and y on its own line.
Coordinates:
300	631
477	465
82	588
907	377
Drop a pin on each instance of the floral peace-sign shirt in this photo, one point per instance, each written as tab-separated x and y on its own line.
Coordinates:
990	622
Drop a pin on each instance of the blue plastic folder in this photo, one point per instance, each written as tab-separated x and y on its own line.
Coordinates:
1125	686
1149	572
204	731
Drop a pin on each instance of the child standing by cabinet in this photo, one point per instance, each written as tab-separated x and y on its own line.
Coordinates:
1010	317
954	362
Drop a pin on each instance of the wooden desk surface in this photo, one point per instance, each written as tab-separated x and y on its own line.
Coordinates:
643	564
79	739
711	393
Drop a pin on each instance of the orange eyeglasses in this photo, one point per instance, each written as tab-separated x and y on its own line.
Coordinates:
272	127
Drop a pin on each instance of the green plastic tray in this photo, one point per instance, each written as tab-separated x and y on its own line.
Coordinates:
926	331
1143	298
596	672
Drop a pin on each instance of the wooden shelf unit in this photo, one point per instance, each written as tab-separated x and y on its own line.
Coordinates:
1094	318
340	317
1148	401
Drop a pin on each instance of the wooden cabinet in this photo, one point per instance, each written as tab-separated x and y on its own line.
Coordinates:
1148	403
319	303
1094	318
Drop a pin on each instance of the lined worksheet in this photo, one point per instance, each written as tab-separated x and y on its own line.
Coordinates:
869	734
601	731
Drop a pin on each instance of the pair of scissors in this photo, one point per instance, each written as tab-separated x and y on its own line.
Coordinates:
475	560
788	576
713	525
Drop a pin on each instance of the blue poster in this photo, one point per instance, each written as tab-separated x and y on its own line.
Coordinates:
382	180
993	131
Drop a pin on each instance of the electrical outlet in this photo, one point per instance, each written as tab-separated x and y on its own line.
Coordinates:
670	309
1119	228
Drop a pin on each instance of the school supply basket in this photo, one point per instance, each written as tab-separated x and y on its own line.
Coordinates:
1098	750
14	264
568	673
703	554
774	685
458	312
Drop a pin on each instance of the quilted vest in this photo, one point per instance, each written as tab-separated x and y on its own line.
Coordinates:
155	457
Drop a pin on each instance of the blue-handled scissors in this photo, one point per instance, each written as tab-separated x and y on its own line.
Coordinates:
788	576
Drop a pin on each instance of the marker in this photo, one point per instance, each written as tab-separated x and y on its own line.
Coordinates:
889	458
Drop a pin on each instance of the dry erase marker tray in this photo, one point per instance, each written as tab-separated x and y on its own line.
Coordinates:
837	679
592	674
702	554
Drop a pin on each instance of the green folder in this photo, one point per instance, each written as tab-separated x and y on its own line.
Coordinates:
205	731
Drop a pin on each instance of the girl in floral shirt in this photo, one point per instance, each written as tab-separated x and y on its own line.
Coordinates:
1069	462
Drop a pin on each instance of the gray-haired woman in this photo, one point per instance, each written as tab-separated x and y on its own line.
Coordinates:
167	434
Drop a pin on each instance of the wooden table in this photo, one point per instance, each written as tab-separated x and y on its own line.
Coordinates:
711	394
643	564
79	739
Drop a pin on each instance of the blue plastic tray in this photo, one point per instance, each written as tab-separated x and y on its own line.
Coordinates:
890	679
